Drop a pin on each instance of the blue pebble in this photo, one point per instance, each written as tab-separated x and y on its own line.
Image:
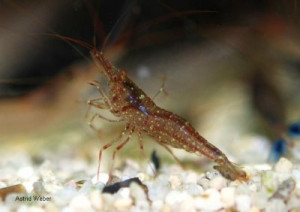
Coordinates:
278	149
294	130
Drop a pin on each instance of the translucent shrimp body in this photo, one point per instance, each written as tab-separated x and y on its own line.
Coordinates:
131	104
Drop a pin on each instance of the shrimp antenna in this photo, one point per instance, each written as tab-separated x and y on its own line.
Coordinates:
117	24
182	14
98	25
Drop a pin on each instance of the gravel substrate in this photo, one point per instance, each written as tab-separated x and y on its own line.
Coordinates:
54	187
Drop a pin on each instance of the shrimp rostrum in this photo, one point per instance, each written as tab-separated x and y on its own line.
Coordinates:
127	101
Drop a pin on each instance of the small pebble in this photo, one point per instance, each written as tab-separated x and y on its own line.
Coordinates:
139	206
295	151
4	208
209	201
175	181
25	172
254	209
157	205
193	189
283	166
103	178
242	203
166	208
64	196
122	204
218	182
159	188
33	209
81	203
2	185
227	196
175	197
293	203
96	200
142	176
137	192
50	207
296	174
86	188
243	189
204	182
188	205
253	187
284	190
275	205
38	187
191	178
108	199
212	174
260	198
125	192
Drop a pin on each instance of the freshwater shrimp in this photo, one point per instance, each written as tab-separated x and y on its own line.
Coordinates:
128	102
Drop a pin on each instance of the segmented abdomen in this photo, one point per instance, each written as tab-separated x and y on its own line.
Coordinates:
170	129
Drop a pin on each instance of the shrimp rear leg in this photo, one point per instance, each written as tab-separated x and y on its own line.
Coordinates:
173	155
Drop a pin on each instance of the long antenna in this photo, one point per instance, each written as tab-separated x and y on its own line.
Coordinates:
118	22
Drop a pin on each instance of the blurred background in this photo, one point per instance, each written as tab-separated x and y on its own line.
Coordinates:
232	70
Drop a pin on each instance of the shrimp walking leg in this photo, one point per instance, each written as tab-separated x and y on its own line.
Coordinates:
97	115
101	91
93	103
98	104
141	144
106	146
173	155
140	139
118	148
162	88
